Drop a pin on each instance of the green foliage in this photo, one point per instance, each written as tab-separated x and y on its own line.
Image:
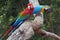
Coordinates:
9	10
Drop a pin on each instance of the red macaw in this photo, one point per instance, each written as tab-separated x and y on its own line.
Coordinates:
23	16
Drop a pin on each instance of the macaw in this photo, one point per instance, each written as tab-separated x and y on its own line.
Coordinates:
23	16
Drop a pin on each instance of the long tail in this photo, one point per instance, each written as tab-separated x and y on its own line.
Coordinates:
16	22
11	30
7	32
16	27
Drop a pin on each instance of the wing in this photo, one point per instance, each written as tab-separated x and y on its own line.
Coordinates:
34	2
24	17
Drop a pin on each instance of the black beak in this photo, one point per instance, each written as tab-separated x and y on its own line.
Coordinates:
48	10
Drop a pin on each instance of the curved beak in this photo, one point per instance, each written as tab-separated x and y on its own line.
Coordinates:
48	9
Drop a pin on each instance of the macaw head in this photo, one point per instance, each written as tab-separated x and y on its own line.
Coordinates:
29	9
30	6
46	9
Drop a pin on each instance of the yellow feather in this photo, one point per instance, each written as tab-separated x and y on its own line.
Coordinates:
43	9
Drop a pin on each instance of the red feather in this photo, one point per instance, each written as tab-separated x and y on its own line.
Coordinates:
30	11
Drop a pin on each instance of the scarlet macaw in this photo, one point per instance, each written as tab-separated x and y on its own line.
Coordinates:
21	18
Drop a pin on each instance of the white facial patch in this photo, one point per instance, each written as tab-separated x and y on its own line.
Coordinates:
46	8
28	7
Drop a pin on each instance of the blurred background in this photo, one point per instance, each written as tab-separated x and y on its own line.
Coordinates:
9	10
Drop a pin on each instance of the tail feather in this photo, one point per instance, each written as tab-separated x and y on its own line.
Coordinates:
7	32
16	27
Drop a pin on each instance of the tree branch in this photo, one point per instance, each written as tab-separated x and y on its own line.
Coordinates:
48	34
37	23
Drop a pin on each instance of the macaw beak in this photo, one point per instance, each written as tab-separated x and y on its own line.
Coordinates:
48	9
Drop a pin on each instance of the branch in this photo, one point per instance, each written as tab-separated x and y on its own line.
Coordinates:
48	34
37	23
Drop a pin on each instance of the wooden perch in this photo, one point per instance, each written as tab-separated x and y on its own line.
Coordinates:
37	26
